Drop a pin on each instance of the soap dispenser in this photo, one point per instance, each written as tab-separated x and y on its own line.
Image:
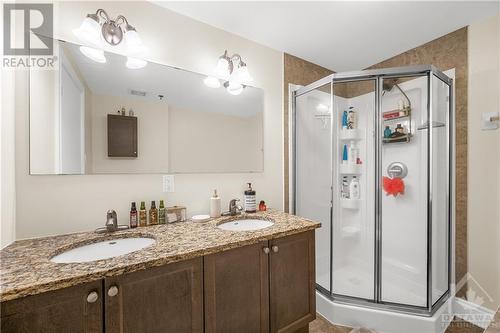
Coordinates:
215	208
250	201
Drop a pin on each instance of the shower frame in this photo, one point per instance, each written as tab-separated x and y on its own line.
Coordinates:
378	75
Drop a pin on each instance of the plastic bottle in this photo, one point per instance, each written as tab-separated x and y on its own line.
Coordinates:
353	153
133	216
354	188
344	155
250	201
153	214
162	213
215	208
352	119
143	215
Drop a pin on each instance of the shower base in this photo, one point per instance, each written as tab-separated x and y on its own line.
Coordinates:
383	321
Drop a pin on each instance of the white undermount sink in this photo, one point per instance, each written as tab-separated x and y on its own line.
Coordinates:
103	250
245	225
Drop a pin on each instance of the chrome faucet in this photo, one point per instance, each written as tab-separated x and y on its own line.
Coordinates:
111	224
234	209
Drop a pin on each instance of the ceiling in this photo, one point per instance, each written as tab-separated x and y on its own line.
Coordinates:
341	36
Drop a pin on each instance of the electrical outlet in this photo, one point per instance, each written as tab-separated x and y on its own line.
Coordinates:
168	183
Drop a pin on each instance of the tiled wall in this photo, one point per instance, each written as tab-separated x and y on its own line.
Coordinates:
446	52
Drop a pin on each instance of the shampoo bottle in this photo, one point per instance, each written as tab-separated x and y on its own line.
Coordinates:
354	188
143	218
133	216
215	210
250	201
153	214
162	213
353	153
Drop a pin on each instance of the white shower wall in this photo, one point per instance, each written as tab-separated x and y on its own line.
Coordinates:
349	237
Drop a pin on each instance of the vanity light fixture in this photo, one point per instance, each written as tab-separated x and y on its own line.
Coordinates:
233	71
99	27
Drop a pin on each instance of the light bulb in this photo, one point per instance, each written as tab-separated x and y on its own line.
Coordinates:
135	63
134	43
212	82
94	54
222	69
241	75
234	89
89	32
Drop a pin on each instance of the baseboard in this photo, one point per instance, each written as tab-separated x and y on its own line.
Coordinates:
473	313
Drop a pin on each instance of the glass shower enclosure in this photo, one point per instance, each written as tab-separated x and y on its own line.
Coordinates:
371	159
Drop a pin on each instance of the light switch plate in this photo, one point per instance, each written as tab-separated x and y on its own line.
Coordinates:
487	123
168	183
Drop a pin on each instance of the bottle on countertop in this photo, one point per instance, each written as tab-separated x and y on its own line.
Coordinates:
133	216
215	207
250	201
162	213
354	188
262	206
143	215
153	214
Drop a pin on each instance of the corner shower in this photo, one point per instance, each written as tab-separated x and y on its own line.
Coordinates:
377	248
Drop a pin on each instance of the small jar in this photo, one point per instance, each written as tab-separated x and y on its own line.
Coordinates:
262	206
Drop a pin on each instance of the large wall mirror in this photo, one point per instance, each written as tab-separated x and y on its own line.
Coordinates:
88	117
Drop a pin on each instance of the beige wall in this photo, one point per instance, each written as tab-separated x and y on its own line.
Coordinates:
58	204
152	132
206	141
484	159
7	166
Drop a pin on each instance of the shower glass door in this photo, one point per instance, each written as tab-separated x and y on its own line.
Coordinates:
353	222
313	175
403	225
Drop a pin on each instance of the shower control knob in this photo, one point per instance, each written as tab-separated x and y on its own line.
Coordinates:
266	250
92	297
113	291
275	248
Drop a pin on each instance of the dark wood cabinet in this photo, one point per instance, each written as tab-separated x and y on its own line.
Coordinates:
266	287
160	299
237	290
76	309
122	136
292	282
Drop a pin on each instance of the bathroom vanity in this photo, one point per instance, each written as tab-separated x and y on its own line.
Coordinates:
195	278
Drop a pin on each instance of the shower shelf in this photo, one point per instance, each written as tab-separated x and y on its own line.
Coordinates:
347	169
350	231
350	203
351	134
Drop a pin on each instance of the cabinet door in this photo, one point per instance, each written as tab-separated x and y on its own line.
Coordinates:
162	299
292	286
237	290
122	136
75	309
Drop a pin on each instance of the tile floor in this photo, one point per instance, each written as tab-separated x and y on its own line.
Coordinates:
321	325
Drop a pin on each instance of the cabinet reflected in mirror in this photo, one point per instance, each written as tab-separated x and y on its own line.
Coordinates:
172	122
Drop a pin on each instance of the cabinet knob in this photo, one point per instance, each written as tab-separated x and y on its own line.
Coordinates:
266	250
275	248
113	291
92	297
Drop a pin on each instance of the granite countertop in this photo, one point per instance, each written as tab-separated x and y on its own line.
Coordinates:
26	268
